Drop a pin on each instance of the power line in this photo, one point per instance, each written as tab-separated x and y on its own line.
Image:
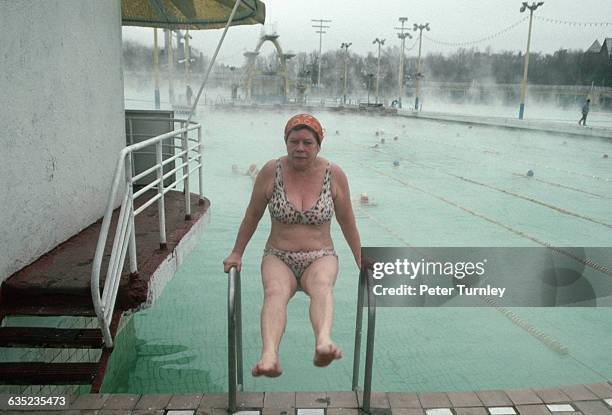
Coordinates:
570	23
484	39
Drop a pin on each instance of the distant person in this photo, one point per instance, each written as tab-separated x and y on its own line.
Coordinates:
585	112
252	171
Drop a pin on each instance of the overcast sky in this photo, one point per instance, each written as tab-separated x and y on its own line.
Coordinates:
360	21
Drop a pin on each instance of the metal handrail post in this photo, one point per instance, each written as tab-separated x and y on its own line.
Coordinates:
161	206
367	383
231	338
132	234
238	312
358	323
186	175
201	169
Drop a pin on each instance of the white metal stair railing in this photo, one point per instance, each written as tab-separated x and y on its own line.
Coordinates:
190	155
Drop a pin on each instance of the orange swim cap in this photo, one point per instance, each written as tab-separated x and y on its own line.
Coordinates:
306	120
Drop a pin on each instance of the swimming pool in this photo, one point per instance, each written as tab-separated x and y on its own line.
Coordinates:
456	185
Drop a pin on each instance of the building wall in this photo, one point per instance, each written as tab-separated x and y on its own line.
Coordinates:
61	112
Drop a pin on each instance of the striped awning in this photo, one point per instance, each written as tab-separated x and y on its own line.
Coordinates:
190	14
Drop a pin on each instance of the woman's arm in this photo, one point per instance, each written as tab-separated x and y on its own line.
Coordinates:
254	212
344	212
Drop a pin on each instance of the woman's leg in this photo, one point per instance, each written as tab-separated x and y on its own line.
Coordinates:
279	285
318	282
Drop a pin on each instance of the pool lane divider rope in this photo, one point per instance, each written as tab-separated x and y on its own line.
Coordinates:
508	192
549	341
563	186
487	151
385	227
585	261
530	199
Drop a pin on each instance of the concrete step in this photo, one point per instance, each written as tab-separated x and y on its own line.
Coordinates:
50	337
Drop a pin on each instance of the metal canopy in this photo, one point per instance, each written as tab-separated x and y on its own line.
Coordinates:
190	14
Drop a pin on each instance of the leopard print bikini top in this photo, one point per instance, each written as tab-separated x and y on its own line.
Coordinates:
283	210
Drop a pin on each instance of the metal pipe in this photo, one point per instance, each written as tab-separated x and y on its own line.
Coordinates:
231	339
148	203
130	188
133	253
115	284
161	207
174	184
239	362
144	173
174	170
201	160
186	189
113	274
212	61
367	383
358	323
144	189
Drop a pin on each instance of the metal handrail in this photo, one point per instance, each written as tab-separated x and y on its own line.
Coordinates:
125	236
364	285
234	338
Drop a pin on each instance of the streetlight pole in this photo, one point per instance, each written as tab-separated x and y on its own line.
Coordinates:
345	46
370	75
402	36
420	28
380	43
531	8
320	26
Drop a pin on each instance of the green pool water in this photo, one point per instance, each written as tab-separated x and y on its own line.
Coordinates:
455	185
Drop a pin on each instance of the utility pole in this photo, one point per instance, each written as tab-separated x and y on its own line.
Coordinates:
380	43
345	46
531	8
320	26
403	37
156	69
170	60
187	55
419	27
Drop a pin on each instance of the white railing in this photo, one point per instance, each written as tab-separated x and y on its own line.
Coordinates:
187	160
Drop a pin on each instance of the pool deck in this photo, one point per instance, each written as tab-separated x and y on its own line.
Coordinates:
62	277
591	399
525	124
505	122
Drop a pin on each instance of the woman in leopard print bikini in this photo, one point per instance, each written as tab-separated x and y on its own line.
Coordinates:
302	191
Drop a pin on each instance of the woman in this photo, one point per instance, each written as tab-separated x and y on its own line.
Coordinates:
302	192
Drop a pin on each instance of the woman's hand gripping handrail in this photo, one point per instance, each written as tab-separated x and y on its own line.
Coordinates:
364	285
234	338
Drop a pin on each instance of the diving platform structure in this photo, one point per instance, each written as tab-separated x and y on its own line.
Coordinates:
267	82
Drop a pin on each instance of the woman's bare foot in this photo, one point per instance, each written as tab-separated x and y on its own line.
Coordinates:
325	353
268	365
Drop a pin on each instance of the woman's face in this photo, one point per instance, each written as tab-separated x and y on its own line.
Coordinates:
302	147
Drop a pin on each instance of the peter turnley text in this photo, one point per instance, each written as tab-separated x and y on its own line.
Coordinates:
422	289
